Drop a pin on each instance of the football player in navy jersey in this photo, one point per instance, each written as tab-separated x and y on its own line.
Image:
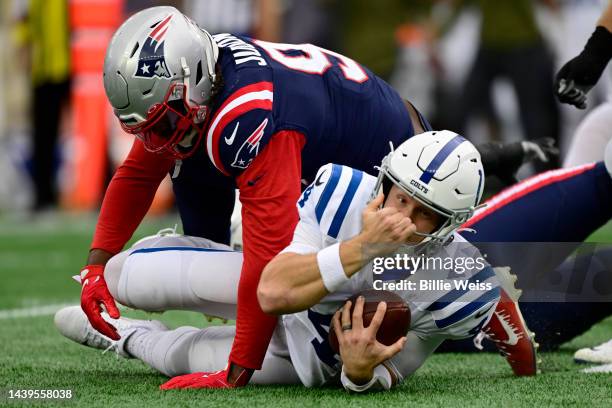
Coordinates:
224	112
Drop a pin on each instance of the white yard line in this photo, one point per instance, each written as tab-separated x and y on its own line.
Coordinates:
40	310
34	311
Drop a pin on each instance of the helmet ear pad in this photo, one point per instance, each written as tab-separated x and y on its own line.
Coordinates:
386	188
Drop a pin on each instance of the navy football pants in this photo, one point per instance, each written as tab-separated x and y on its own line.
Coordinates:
565	206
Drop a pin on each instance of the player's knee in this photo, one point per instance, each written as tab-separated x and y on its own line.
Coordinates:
112	272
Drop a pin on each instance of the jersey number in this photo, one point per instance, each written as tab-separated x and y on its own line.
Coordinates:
322	348
314	60
305	195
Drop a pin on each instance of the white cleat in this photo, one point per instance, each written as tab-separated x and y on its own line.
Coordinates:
72	323
601	354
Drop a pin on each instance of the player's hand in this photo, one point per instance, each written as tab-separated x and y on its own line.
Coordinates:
198	380
542	149
94	294
569	92
384	229
233	377
359	350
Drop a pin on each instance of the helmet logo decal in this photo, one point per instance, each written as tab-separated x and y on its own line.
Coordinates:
151	60
419	186
440	157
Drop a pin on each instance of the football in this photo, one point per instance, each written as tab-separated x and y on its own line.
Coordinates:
395	323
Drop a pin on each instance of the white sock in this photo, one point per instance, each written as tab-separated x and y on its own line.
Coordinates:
183	350
188	350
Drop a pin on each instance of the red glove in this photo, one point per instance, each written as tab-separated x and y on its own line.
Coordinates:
205	380
94	293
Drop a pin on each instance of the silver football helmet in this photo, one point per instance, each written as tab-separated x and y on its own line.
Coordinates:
159	73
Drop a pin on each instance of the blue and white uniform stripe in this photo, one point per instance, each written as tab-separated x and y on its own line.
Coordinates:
343	187
460	303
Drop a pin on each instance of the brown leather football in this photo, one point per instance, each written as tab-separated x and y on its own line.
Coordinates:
395	324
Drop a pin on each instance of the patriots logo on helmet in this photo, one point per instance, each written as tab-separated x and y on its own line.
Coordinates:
151	60
250	147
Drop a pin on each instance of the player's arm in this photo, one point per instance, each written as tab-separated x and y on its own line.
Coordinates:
127	199
504	159
295	281
580	74
605	20
269	188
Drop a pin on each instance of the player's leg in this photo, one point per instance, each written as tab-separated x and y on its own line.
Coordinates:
591	137
189	350
564	205
476	88
568	301
175	272
550	207
175	352
539	113
585	284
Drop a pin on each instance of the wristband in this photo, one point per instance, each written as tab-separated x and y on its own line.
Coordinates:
381	379
330	267
89	271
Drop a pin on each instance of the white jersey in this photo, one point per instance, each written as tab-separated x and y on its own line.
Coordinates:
330	211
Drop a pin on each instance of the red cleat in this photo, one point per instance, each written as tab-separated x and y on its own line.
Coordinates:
508	331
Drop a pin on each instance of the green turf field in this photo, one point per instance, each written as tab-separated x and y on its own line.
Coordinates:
38	258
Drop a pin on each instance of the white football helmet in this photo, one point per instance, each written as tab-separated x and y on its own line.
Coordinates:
159	73
440	169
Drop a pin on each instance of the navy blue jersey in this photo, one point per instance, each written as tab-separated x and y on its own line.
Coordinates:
347	114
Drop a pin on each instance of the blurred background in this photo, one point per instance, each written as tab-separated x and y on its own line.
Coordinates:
484	68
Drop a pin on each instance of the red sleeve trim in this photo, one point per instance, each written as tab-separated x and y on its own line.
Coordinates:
269	189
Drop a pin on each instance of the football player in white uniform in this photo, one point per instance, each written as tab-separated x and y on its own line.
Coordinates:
432	183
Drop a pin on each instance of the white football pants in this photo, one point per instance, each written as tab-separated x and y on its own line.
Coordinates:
591	137
175	272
